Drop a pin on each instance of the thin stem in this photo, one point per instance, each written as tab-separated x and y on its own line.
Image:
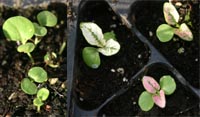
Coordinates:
38	109
30	56
37	40
62	48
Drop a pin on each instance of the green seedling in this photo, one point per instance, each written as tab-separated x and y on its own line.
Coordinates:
49	59
106	44
155	93
42	96
39	75
21	29
165	32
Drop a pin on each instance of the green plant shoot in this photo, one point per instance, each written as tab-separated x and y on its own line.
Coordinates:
106	44
155	93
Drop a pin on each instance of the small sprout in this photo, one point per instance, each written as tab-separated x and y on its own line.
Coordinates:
39	30
170	13
106	43
46	18
38	74
155	93
91	57
181	50
49	59
165	33
18	28
184	32
28	86
38	103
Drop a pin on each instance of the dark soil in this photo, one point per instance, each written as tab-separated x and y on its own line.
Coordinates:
14	66
181	103
148	15
94	86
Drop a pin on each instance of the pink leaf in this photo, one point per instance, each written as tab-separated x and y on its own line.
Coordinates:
159	99
184	32
150	84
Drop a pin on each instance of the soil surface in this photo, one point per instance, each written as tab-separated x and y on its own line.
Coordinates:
148	15
181	103
94	86
14	66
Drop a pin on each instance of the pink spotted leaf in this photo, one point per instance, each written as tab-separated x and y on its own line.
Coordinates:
184	32
150	84
170	13
159	99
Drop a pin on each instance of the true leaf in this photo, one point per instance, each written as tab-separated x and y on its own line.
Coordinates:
39	30
159	99
91	57
46	18
146	101
165	32
167	84
170	13
150	84
28	87
184	32
26	48
111	48
18	28
93	34
109	35
43	94
38	74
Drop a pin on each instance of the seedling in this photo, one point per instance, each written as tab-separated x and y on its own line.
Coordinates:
165	32
21	29
155	93
106	44
39	75
49	59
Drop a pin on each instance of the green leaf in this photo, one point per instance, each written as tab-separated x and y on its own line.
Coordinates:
184	32
109	35
146	101
170	13
39	30
28	87
112	47
38	74
165	33
93	34
46	18
43	94
168	84
91	57
37	102
18	28
26	48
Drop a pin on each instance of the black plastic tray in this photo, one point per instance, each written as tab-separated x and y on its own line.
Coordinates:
155	58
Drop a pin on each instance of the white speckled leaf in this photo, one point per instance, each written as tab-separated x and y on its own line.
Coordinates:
170	13
93	34
111	48
184	32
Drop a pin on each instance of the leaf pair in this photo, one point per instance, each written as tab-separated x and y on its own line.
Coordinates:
19	28
165	32
155	93
36	74
106	43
